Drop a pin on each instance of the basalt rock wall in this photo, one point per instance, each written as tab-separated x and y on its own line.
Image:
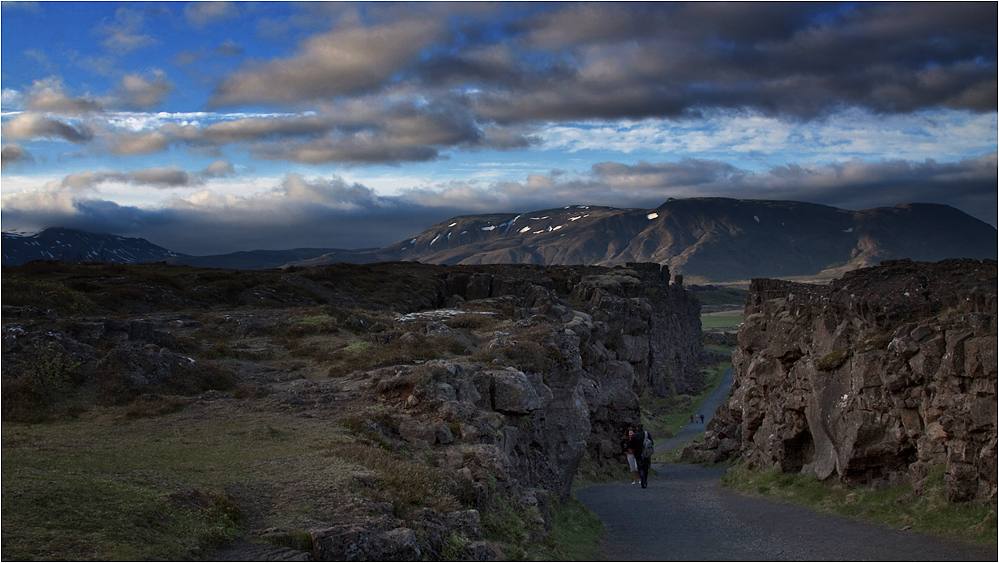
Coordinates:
876	378
611	334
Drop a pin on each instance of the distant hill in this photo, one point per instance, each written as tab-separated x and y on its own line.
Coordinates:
711	238
72	245
707	239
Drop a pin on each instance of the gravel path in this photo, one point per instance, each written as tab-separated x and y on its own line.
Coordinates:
707	408
684	515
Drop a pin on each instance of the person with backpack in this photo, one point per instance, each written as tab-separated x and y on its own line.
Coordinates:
641	444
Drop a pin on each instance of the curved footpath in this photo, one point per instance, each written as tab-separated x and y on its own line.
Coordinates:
685	515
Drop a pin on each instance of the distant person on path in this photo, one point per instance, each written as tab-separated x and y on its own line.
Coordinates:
691	419
629	450
701	417
637	445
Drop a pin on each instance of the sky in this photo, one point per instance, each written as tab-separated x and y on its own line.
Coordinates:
214	127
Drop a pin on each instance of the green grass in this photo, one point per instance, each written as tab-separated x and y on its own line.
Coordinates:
105	487
576	531
666	416
520	533
90	518
714	320
929	513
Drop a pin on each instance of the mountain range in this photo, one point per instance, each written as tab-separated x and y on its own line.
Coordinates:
710	239
72	245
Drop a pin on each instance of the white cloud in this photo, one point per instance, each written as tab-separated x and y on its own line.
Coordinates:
852	133
141	91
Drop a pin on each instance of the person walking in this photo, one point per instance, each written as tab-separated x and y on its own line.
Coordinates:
637	444
629	451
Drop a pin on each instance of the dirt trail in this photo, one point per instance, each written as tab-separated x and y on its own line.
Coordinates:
684	515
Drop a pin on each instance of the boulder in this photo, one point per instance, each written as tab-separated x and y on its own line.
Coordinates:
513	393
366	542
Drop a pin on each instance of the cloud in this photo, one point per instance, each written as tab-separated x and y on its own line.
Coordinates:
133	144
200	14
123	36
48	96
219	169
341	61
10	154
30	125
365	130
150	177
255	129
12	99
41	58
373	134
229	48
623	60
162	177
139	92
968	184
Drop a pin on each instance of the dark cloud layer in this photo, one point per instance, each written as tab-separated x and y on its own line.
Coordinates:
32	125
796	60
610	60
14	153
409	83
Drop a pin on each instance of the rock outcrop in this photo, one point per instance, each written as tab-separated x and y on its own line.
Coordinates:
533	370
601	337
877	378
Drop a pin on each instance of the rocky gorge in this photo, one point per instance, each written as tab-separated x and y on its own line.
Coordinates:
485	386
884	377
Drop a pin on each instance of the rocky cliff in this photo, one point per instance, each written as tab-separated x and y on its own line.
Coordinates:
496	380
604	336
877	378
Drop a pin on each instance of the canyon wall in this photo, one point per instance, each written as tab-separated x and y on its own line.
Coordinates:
608	334
877	378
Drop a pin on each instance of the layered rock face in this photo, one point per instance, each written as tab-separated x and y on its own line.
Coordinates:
609	334
876	378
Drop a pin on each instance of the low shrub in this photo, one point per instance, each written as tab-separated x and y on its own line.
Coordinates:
453	548
20	290
219	519
473	321
248	392
832	360
198	377
299	540
367	355
407	483
147	406
114	385
44	375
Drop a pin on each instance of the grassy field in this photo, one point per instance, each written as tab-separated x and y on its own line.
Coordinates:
167	488
721	319
180	486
